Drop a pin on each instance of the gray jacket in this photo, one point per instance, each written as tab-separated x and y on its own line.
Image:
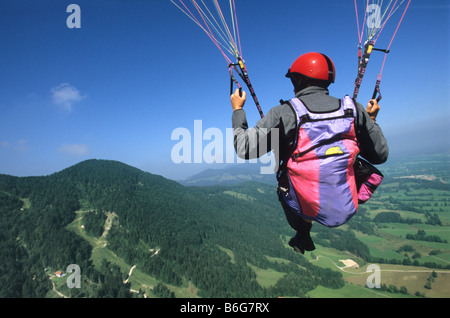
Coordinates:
247	142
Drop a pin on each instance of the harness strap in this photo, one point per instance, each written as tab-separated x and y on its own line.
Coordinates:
233	80
320	144
368	47
244	75
377	90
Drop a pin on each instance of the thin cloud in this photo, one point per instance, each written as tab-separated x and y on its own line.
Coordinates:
74	149
4	144
65	95
20	145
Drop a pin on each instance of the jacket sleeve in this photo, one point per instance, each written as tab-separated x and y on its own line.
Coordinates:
264	137
372	143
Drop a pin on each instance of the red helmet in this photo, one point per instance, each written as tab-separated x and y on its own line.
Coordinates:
314	65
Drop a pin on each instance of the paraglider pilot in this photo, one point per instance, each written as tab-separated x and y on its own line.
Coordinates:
355	135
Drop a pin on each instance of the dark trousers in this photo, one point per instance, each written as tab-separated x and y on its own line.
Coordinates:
295	221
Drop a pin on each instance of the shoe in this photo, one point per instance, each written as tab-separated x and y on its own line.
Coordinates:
309	244
302	241
303	232
297	245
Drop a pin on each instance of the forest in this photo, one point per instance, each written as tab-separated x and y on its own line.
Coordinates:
189	226
211	239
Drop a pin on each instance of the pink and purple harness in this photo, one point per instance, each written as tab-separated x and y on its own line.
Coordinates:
321	170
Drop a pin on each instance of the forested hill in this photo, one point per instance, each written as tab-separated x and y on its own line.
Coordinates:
209	239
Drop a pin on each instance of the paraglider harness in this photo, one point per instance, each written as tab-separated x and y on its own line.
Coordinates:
316	179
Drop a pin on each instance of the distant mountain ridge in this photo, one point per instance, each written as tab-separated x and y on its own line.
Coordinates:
229	176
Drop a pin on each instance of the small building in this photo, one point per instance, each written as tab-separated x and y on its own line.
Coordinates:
60	274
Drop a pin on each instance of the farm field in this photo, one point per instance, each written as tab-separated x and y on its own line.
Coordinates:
406	228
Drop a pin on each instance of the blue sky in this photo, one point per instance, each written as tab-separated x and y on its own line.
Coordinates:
136	70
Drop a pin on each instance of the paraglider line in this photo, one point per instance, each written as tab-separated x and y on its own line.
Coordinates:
230	42
395	32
